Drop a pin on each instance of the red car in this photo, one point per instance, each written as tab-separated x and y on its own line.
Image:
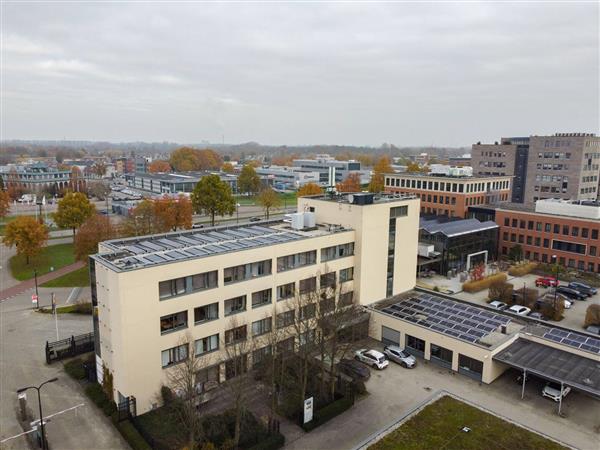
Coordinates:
546	282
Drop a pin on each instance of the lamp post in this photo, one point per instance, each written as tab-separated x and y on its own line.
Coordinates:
237	213
556	267
36	288
38	388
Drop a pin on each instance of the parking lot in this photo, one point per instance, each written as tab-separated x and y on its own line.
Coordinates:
396	390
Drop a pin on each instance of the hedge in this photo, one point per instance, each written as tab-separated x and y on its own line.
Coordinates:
329	412
480	285
95	392
273	442
132	436
74	369
523	269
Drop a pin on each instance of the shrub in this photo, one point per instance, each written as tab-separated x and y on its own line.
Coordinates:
167	395
480	285
273	442
329	412
82	308
523	269
96	394
525	297
592	315
358	386
500	290
74	369
132	436
552	311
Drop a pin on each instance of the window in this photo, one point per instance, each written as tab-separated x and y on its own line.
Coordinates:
287	345
297	260
235	335
308	337
441	353
565	230
556	228
470	364
205	280
262	326
346	298
415	344
247	271
171	288
584	233
594	234
207	344
207	377
346	274
174	355
261	298
286	319
575	231
286	291
327	280
206	313
308	285
506	221
235	305
568	247
327	305
547	227
236	366
260	355
308	311
173	322
399	211
337	251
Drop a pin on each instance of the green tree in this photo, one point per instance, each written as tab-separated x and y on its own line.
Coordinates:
73	209
382	167
227	167
268	199
248	181
27	234
212	196
516	253
143	220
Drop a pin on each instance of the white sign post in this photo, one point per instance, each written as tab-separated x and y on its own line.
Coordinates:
308	410
34	300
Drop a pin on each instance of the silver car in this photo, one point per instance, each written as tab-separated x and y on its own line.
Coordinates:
396	354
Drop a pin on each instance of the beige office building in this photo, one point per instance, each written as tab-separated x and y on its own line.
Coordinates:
217	286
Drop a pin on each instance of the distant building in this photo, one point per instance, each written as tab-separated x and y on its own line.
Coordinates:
172	183
449	196
464	160
565	165
281	177
36	177
142	163
324	165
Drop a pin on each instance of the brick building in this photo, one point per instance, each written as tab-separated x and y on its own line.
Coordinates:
449	195
568	229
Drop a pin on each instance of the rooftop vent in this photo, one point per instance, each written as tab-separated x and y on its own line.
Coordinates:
361	198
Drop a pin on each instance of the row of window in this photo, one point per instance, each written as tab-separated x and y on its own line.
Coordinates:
564	246
447	186
556	228
581	265
186	285
555	155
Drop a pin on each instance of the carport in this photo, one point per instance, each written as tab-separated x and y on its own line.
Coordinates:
553	364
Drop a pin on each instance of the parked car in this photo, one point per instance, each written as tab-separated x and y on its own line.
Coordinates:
539	303
372	358
394	353
570	293
519	309
552	391
594	329
546	282
497	304
354	369
255	219
583	288
536	315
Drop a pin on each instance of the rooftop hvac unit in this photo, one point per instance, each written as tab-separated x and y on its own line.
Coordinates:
297	221
310	221
361	199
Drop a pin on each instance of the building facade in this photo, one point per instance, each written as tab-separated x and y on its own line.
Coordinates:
447	195
570	230
288	177
157	298
565	165
173	183
38	177
323	164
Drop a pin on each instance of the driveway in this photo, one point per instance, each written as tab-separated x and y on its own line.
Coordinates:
395	391
23	333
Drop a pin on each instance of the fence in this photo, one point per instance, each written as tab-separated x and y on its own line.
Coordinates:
67	348
126	409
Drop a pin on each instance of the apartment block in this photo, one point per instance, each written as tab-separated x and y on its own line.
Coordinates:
157	298
449	195
565	165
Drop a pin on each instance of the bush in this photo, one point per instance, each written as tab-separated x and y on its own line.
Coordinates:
525	297
500	290
480	285
592	315
74	369
273	442
358	386
553	312
82	308
132	436
523	269
96	394
327	413
167	395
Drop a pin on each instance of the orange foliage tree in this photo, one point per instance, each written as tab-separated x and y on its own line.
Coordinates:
173	214
94	230
350	184
4	203
27	234
309	189
159	166
382	167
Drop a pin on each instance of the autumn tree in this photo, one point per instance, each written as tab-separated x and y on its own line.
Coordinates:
99	168
27	234
248	181
212	196
173	213
73	209
309	189
268	199
350	184
413	167
501	290
592	315
227	168
382	167
94	230
208	159
184	159
142	220
159	166
98	189
4	203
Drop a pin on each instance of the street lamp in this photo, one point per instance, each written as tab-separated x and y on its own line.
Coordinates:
52	380
36	288
554	261
237	213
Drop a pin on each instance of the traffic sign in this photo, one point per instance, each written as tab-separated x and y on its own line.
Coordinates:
34	299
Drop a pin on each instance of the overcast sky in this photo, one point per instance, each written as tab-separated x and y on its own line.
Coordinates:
299	73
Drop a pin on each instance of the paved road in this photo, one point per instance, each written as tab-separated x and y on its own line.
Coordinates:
23	333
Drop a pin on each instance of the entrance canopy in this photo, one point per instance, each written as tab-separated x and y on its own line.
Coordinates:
553	364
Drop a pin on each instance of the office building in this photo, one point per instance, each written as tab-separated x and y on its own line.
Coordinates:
326	165
281	177
173	183
449	196
37	177
153	294
565	165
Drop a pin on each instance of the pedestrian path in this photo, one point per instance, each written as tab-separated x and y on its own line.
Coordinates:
30	284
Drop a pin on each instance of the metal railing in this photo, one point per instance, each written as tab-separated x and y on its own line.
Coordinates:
67	348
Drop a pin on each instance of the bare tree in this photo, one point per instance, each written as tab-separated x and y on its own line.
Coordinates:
182	380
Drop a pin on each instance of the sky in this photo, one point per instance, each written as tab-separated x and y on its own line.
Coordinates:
410	74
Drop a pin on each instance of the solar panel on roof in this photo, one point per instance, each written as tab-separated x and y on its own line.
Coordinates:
553	337
135	249
557	332
590	348
151	245
577	337
571	343
592	341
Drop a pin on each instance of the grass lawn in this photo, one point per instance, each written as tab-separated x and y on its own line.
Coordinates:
56	256
439	426
79	277
288	198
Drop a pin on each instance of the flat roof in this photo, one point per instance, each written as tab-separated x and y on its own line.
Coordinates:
552	363
456	227
342	197
180	177
444	176
465	322
149	251
565	336
530	209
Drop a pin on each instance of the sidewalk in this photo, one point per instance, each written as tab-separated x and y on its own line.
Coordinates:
30	284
